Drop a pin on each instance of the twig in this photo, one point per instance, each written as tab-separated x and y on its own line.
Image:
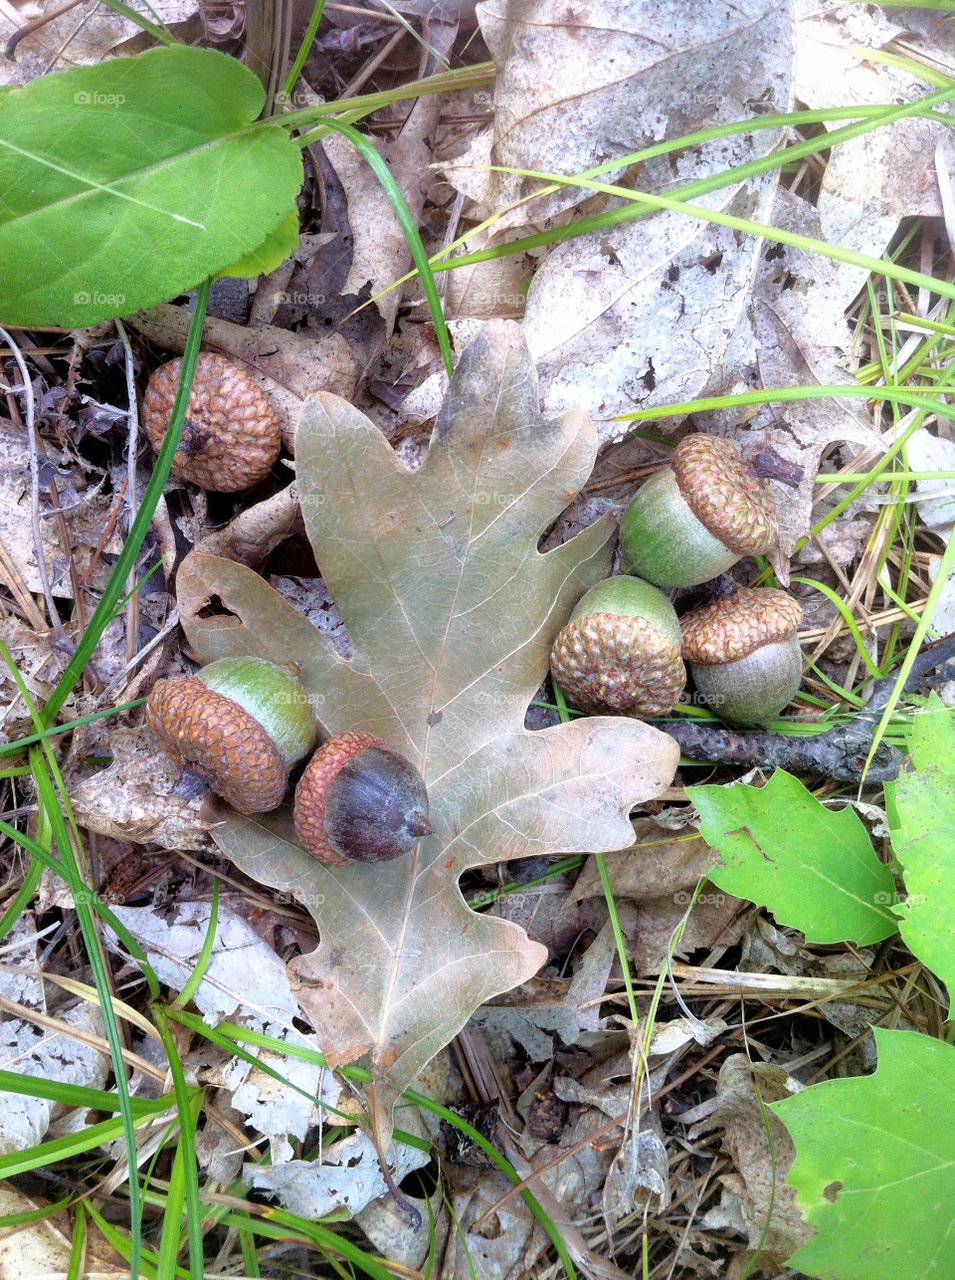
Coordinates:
839	754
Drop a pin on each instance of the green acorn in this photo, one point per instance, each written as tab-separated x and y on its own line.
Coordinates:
240	724
696	518
620	650
744	654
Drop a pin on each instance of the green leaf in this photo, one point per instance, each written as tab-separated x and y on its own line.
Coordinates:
875	1165
125	184
931	737
272	252
813	867
921	808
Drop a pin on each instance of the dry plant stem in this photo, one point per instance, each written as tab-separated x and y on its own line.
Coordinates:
268	38
35	24
54	617
132	604
839	754
370	67
57	512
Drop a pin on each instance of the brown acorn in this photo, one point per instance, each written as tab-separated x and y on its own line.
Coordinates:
231	436
240	724
359	801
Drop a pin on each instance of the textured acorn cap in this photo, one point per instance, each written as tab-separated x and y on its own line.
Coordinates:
230	437
359	801
215	738
731	503
620	651
727	630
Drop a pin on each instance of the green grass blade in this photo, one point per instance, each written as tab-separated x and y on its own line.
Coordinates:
15	748
185	1169
307	38
205	953
75	1095
158	30
409	230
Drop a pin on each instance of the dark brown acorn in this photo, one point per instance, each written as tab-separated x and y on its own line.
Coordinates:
359	801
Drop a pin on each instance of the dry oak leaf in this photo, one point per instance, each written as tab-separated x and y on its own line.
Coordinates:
452	611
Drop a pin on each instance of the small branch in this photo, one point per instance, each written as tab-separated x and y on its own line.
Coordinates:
840	753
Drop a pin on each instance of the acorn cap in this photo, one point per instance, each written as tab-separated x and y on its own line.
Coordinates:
231	436
620	651
216	738
359	801
731	503
727	630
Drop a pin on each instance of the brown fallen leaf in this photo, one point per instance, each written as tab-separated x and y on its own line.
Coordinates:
761	1151
452	611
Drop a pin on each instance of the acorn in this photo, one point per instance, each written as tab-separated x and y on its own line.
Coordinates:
359	801
744	655
239	724
696	518
230	437
620	651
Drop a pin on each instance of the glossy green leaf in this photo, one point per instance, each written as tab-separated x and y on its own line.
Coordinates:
875	1165
813	867
125	184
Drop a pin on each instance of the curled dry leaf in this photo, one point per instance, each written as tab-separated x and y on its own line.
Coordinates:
452	611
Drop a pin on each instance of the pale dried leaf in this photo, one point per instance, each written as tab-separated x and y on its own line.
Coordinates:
871	182
41	1250
348	1177
33	1050
132	798
742	1087
452	612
